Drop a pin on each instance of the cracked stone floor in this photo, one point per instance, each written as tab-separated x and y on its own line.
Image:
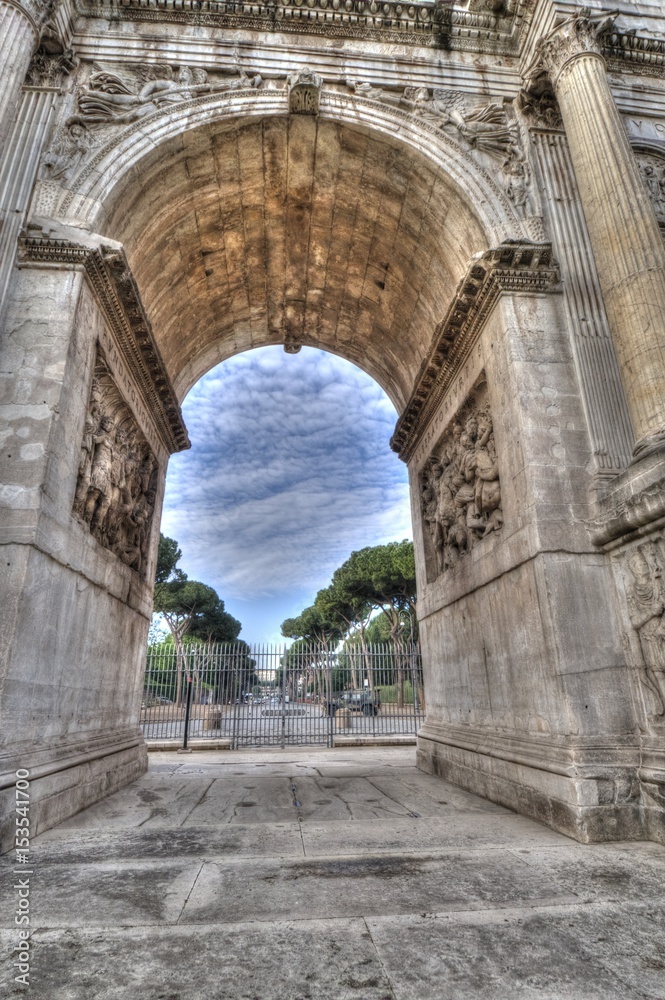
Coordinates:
331	875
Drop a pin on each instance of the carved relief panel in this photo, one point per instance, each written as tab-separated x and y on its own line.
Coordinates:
460	488
641	573
652	169
117	476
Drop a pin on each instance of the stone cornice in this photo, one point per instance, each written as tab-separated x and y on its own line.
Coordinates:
438	25
512	267
115	289
643	54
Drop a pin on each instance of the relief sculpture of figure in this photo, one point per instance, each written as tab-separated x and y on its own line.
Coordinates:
90	428
654	186
107	99
99	491
488	487
70	147
117	476
485	128
460	489
646	607
364	89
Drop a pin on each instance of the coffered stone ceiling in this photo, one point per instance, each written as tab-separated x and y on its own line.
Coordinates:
294	229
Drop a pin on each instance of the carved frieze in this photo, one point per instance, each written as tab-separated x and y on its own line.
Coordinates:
645	598
460	489
117	474
111	99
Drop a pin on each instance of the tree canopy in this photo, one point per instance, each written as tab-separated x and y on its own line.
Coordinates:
380	577
189	607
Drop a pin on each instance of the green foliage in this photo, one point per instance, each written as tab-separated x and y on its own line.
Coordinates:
189	607
389	694
214	624
377	577
385	577
313	625
379	629
168	554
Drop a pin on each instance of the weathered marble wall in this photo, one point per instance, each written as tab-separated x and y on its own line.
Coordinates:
529	701
74	616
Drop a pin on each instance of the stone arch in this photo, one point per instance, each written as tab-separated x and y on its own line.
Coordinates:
425	172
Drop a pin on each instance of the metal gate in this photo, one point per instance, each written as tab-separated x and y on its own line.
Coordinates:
242	696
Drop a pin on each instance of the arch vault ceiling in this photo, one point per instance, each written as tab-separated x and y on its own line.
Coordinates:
294	228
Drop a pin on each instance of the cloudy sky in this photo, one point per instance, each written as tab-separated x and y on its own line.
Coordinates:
289	471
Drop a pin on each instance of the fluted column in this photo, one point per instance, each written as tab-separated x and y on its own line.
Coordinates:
21	22
624	232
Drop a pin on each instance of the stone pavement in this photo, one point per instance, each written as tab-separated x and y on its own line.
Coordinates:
330	875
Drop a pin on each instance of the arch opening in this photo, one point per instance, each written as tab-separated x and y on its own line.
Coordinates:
290	470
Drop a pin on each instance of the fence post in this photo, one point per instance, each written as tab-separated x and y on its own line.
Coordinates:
330	699
284	655
188	706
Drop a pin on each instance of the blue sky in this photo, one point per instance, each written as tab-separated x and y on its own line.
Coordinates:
290	470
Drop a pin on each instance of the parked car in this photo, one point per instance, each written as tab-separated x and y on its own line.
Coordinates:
365	701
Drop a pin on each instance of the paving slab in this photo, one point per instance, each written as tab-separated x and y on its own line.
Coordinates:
350	797
105	894
246	800
153	800
316	960
227	841
358	885
602	871
567	953
414	835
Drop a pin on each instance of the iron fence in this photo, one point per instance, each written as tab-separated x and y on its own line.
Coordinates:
274	696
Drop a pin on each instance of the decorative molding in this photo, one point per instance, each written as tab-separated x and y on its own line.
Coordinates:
512	267
630	51
439	25
109	274
568	755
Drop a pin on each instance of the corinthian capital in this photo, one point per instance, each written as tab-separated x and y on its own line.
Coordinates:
38	12
578	35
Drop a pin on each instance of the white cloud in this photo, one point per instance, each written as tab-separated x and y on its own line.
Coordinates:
290	470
